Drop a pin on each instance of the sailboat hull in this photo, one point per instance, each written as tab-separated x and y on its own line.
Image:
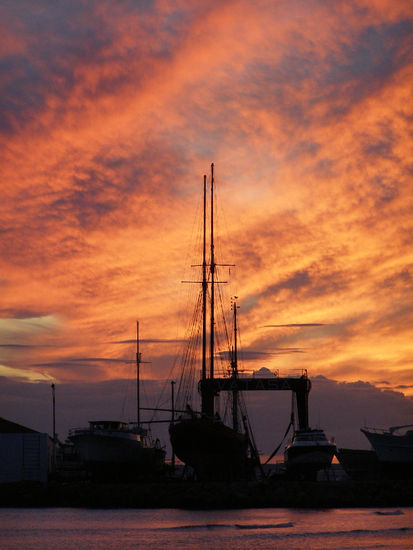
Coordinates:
214	451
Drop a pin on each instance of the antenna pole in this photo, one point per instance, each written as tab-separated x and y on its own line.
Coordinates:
173	421
138	361
234	365
292	410
204	289
54	424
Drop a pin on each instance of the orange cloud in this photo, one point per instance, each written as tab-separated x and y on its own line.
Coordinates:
111	117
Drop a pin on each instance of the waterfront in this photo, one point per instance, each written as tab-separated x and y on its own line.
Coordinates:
209	496
164	529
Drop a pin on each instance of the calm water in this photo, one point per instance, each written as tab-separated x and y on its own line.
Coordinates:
69	528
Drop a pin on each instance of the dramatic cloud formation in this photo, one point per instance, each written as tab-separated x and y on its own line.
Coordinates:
110	115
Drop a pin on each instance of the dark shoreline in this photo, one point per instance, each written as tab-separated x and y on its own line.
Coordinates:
209	496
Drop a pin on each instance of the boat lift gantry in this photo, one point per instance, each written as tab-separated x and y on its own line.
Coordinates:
301	386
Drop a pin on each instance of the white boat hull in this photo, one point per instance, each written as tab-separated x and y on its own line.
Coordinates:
390	447
320	457
308	453
108	449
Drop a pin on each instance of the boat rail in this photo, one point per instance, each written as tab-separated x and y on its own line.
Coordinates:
376	430
78	431
88	430
389	431
269	373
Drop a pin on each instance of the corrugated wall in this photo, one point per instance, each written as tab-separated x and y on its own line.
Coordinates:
23	457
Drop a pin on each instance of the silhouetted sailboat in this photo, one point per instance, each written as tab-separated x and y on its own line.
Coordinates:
201	439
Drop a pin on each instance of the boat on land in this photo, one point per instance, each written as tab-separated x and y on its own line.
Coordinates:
390	456
392	445
358	463
308	452
114	449
393	448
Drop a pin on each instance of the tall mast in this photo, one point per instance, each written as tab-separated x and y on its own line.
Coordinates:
204	290
234	366
138	362
212	268
207	393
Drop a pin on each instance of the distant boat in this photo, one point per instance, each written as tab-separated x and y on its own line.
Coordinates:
308	452
393	448
115	449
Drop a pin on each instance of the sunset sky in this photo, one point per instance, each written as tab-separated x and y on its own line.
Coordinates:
111	112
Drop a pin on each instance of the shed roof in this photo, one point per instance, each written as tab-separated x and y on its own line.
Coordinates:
8	427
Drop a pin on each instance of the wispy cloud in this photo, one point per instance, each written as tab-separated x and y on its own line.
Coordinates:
251	355
295	325
151	341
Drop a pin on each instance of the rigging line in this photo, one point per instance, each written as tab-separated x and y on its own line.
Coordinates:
143	385
241	357
227	410
160	401
155	416
196	240
224	355
191	251
220	355
223	233
175	365
181	357
221	328
225	323
282	441
185	386
125	395
128	385
161	397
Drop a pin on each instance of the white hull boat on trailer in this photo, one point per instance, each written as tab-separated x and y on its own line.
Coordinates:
308	452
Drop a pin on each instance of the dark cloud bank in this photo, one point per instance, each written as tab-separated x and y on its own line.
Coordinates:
340	408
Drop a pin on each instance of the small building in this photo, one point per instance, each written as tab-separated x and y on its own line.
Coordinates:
25	454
